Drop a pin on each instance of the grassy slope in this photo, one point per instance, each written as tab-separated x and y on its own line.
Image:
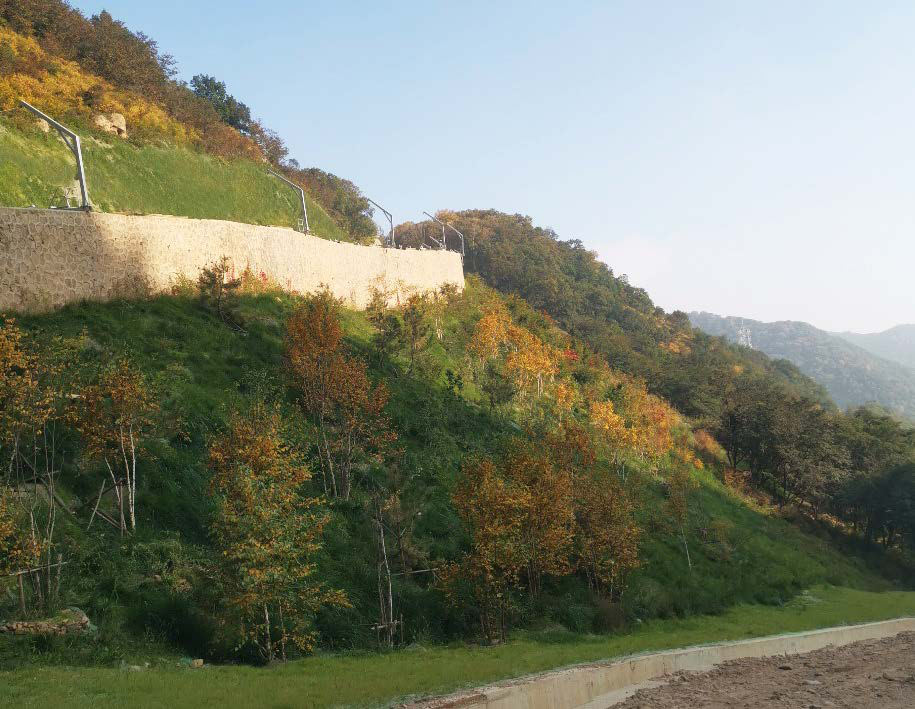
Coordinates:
379	679
151	179
202	369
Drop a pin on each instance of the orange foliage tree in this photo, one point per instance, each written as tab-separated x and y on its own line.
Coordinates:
268	533
345	407
491	333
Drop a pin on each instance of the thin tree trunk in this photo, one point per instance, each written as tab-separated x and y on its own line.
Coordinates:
269	639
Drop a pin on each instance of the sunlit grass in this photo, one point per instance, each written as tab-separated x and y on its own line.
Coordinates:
380	679
150	179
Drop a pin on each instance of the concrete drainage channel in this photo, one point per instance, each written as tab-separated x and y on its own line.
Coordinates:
598	686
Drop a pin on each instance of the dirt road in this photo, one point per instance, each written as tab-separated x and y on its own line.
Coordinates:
873	673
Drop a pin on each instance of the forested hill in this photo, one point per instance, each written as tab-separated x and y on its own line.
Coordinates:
851	374
896	344
617	319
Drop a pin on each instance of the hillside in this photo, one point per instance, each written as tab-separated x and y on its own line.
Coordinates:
35	168
896	344
542	468
616	319
852	375
202	370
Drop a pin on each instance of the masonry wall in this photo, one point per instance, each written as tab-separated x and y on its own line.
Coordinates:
49	258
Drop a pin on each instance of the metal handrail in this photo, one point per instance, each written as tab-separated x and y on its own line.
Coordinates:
301	192
72	141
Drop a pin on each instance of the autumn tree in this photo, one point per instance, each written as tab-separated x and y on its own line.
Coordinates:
531	360
30	408
346	409
606	533
20	549
491	508
491	333
546	511
616	438
268	532
115	415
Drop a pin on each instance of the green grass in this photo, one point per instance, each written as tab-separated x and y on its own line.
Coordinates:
150	179
202	369
380	679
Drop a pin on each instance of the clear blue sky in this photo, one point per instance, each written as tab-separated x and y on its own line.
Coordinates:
752	159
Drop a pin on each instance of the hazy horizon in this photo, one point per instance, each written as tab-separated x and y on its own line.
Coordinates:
744	160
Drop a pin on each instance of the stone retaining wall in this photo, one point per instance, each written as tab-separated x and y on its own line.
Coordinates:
49	258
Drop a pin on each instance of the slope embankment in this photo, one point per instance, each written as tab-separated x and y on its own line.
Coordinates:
52	257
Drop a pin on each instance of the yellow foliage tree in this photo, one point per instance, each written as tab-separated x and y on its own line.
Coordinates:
492	509
268	534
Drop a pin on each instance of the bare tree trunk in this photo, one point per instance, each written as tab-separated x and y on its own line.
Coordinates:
385	591
689	561
267	631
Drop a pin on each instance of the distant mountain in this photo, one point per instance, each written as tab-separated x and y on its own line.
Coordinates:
852	374
896	344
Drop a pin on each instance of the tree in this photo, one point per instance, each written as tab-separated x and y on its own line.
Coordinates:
612	431
491	333
269	533
415	326
114	416
679	486
531	360
388	333
231	111
546	511
499	389
20	550
345	407
30	406
218	287
606	533
492	510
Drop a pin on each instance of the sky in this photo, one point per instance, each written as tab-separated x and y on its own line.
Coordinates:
744	158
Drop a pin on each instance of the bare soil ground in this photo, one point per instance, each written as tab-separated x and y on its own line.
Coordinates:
873	673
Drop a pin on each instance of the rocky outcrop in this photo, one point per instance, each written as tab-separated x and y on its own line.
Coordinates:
113	123
70	621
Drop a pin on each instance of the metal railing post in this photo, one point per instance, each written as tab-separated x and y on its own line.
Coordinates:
390	219
446	224
72	141
301	192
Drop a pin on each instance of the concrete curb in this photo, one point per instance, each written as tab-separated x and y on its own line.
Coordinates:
597	686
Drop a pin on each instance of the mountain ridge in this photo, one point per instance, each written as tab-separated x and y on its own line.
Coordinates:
896	344
853	374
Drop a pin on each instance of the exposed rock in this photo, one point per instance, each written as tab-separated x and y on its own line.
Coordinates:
113	123
70	621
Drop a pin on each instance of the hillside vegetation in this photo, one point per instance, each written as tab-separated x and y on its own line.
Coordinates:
160	581
196	150
150	179
852	375
238	473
